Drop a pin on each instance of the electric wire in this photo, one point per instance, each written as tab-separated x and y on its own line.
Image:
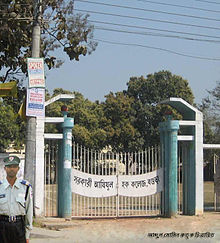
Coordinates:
147	19
204	1
157	48
149	10
155	29
180	6
155	20
156	34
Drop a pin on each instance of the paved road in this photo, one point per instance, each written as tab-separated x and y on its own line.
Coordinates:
199	229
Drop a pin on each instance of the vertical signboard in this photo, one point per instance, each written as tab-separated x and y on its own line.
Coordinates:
35	102
36	73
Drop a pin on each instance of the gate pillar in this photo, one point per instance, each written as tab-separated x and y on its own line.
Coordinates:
192	127
168	136
64	168
189	180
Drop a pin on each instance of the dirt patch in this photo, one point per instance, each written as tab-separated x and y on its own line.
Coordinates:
130	230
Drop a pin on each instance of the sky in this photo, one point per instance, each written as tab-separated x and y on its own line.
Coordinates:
182	36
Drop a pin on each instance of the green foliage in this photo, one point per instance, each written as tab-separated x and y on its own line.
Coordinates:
128	120
61	29
159	86
211	113
210	108
88	118
8	127
147	93
18	137
119	114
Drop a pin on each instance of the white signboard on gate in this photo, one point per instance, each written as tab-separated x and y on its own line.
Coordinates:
128	185
93	185
141	185
35	102
36	72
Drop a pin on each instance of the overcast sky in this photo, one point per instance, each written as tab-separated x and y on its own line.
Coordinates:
193	33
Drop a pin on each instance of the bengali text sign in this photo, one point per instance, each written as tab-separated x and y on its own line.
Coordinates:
141	185
36	72
93	185
124	185
35	102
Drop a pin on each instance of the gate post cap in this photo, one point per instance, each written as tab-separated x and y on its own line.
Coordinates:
64	108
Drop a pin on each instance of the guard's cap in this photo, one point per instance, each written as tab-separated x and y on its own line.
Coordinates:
11	160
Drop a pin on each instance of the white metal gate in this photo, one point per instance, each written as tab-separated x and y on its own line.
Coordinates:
182	158
211	188
50	177
110	163
105	162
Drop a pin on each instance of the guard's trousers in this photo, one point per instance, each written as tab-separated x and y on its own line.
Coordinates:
12	232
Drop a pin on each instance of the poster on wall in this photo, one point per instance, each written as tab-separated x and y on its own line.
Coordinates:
36	72
35	102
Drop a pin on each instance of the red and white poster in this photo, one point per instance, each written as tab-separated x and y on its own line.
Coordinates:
36	72
35	102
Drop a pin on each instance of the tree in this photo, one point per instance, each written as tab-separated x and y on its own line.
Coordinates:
128	120
211	112
147	93
61	29
119	114
210	108
9	130
16	137
88	118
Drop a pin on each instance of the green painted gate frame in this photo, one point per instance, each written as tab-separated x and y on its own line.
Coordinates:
192	168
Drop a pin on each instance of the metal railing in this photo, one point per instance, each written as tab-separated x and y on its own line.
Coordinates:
103	162
111	163
182	158
50	177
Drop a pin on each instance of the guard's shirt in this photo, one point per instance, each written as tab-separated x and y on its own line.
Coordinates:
12	201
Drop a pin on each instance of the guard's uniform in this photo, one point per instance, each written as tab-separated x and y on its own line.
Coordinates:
16	211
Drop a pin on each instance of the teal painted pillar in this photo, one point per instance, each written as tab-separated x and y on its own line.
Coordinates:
173	127
169	131
64	168
163	148
189	181
191	202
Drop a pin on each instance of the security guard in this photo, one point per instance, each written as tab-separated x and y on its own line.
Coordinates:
16	205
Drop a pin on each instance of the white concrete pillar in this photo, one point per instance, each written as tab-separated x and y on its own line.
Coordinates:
39	168
199	164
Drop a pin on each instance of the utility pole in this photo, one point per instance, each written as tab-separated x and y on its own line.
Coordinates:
30	150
